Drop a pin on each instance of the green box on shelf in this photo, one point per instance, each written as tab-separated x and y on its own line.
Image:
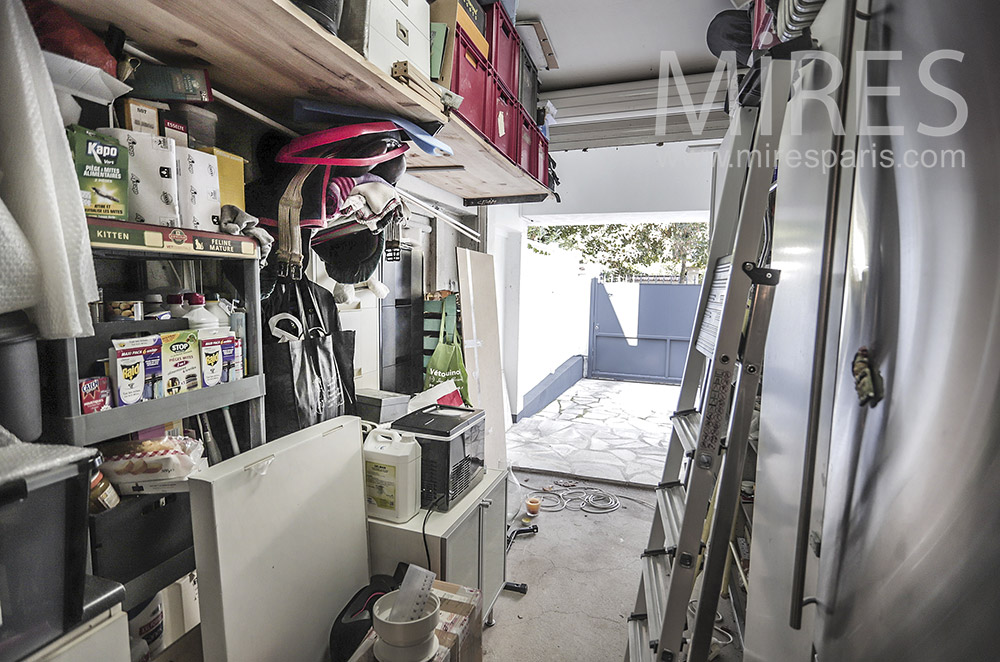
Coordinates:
102	171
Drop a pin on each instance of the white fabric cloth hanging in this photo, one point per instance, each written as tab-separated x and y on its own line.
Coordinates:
38	182
19	269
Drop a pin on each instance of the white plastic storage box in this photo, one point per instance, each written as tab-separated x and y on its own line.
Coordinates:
198	189
388	31
152	177
381	406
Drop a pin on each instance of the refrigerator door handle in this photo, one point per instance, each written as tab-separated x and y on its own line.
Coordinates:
798	601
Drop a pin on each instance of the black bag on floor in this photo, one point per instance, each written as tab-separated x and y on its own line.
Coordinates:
308	359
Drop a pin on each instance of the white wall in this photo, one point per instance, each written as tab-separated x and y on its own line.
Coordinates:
638	178
554	314
504	240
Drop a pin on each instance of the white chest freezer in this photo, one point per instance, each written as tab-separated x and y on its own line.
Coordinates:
281	544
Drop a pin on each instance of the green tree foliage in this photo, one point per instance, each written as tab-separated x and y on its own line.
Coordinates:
629	250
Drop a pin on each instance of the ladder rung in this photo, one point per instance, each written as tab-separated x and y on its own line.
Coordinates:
638	641
655	581
688	425
670	502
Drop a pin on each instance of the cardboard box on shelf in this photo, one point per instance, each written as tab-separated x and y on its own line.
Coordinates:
217	352
468	15
136	366
95	394
152	187
142	117
231	178
181	362
102	171
177	130
165	83
198	189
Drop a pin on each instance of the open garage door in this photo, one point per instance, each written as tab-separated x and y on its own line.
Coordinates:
640	331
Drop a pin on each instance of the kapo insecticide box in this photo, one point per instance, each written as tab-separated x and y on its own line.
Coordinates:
136	366
181	362
102	172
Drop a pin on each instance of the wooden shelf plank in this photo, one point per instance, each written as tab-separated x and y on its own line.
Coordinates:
476	170
264	52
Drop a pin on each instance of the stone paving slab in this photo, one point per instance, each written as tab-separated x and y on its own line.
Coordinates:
599	429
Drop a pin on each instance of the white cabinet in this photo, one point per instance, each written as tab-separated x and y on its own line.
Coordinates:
467	544
389	31
103	638
362	318
279	537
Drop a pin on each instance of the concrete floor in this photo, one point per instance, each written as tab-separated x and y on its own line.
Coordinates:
599	429
582	572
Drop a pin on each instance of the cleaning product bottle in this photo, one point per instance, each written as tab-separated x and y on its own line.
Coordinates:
175	304
238	320
392	475
197	316
213	306
187	300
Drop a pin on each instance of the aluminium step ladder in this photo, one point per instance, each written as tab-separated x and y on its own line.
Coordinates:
710	429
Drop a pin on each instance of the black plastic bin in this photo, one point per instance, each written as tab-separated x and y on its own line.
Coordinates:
20	395
43	557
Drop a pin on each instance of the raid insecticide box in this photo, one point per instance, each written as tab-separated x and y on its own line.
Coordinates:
181	362
102	171
217	352
136	369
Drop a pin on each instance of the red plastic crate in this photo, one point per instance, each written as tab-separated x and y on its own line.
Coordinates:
527	152
505	46
471	78
540	167
505	122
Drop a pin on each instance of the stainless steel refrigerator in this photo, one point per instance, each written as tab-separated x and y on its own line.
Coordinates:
903	558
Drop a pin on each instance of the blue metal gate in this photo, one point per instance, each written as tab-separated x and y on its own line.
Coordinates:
640	331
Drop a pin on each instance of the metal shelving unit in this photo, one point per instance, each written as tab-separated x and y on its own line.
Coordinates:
64	361
65	421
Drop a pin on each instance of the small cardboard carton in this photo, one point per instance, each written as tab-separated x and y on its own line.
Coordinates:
232	184
141	117
102	171
136	366
95	395
198	189
217	350
152	189
181	362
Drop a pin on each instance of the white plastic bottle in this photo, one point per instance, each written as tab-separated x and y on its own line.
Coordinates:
213	306
392	475
175	305
197	316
